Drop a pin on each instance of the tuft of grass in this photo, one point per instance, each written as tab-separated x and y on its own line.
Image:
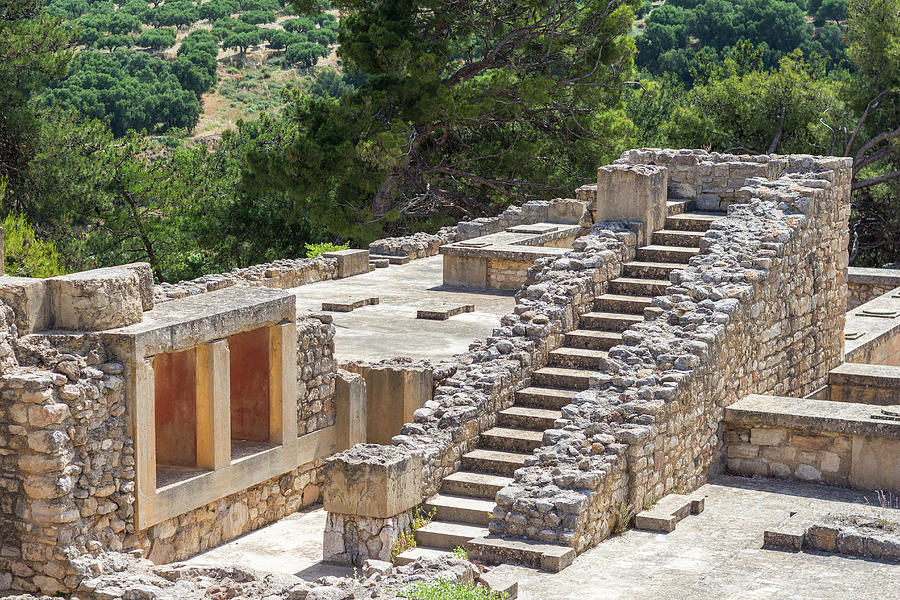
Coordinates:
623	514
407	539
460	553
441	589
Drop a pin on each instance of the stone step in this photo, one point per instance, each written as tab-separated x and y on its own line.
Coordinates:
461	509
544	397
670	254
665	514
676	206
577	358
497	462
622	303
674	237
511	439
653	270
379	263
475	485
448	535
608	321
634	286
394	260
528	418
409	556
591	339
692	221
570	379
496	550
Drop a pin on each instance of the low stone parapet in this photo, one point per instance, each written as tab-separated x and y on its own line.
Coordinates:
837	443
864	384
865	284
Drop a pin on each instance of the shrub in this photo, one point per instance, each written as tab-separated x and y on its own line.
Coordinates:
314	250
441	589
26	254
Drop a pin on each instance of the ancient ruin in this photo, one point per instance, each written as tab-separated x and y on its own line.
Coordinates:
533	382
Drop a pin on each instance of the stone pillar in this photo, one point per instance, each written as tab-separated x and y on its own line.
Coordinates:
393	394
369	494
350	409
633	193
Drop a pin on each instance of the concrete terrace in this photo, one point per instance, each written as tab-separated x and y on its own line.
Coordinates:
390	329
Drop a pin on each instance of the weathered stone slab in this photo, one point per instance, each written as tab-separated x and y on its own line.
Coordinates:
350	262
535	228
350	304
666	513
497	550
375	481
392	259
443	311
789	534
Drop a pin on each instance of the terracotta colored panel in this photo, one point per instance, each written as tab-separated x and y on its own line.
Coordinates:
174	380
249	353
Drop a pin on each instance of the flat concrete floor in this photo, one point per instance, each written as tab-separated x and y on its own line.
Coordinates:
718	555
715	555
292	545
391	329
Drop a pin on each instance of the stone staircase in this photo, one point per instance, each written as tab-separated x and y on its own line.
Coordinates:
463	507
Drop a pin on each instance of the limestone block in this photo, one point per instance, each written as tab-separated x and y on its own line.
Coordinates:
373	481
350	262
30	300
350	409
566	211
633	193
96	300
145	281
393	394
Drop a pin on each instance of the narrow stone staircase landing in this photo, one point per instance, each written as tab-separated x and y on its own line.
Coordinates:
463	507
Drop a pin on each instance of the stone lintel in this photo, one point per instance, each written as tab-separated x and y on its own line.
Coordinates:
188	322
371	480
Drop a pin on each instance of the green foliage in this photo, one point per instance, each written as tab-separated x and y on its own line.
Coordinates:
257	17
758	111
218	9
305	54
442	589
25	254
460	553
455	116
156	39
299	25
679	30
328	83
131	89
111	42
318	249
34	50
178	13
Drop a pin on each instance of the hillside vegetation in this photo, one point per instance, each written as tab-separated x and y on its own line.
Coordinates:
406	115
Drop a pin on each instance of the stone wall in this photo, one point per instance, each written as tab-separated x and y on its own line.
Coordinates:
506	274
67	459
281	274
421	245
316	371
864	284
760	309
821	457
